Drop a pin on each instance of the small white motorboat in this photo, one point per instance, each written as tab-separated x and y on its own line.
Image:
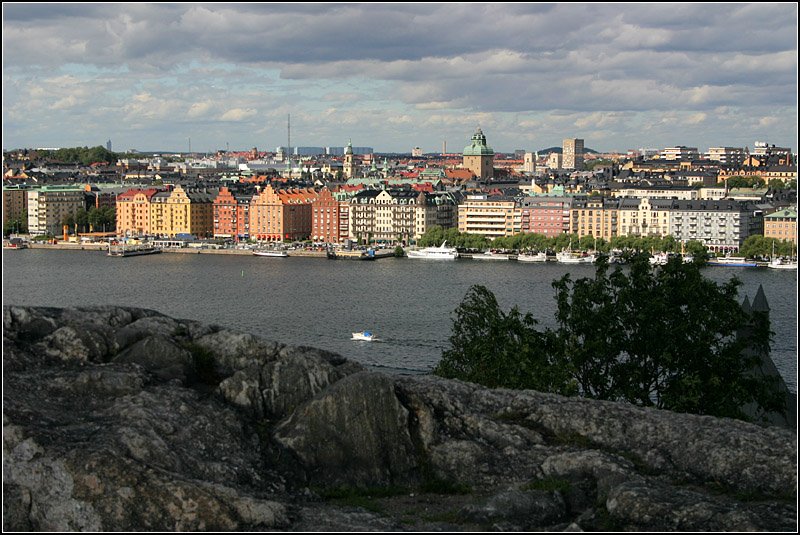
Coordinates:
365	336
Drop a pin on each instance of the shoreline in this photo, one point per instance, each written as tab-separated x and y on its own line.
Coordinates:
190	250
242	252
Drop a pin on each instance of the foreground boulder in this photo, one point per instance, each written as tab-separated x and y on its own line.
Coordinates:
124	419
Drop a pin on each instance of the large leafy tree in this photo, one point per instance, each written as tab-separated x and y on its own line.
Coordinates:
663	337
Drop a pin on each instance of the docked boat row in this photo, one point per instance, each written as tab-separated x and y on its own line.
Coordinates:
443	252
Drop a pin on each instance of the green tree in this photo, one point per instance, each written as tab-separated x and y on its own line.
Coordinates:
16	225
498	349
776	183
674	340
745	182
698	251
85	155
662	337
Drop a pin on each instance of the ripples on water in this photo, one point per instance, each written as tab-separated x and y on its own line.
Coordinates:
408	304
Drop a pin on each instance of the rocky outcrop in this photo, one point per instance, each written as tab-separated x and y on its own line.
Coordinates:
126	419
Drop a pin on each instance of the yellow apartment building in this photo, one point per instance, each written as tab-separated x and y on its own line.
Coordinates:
492	217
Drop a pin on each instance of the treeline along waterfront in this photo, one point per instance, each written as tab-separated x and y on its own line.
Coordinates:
407	304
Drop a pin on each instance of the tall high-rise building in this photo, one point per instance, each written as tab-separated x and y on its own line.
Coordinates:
572	154
108	145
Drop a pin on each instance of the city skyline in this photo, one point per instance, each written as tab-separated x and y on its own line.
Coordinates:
392	76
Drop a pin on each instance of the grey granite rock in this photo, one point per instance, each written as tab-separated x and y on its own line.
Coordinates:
118	419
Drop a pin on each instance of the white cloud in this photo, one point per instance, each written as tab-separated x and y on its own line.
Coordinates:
238	114
200	109
696	118
64	103
767	121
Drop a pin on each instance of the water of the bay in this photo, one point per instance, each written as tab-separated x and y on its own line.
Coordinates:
408	304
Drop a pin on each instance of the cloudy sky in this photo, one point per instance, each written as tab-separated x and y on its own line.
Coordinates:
395	76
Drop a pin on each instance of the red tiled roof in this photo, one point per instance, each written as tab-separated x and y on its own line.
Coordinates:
459	174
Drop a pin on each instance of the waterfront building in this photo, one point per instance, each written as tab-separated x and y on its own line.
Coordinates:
781	225
387	216
231	215
545	215
102	195
478	157
326	218
48	206
15	203
277	215
440	209
489	216
158	202
722	226
594	216
182	211
644	217
572	154
133	212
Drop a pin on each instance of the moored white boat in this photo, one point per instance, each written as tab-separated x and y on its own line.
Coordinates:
566	257
270	252
779	262
732	261
132	250
782	263
532	257
434	253
659	259
489	255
